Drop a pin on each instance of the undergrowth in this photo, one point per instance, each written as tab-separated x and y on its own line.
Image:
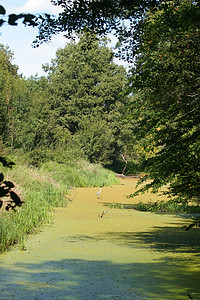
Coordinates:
80	174
159	207
168	206
42	190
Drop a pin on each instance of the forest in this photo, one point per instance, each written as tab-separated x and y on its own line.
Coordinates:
89	109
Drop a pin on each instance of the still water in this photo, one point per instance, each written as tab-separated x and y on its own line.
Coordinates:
126	254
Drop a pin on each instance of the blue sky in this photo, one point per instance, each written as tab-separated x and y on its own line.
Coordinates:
20	38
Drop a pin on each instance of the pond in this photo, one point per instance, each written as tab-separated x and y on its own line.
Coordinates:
93	250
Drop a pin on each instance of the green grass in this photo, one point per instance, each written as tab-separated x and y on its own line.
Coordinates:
42	190
159	207
40	196
167	207
80	174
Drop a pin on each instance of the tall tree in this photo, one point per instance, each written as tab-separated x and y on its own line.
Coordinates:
84	81
36	127
97	139
8	90
99	17
167	75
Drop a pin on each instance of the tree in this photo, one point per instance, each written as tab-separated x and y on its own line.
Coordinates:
122	18
163	37
99	17
84	82
96	139
38	129
8	81
166	76
16	103
24	117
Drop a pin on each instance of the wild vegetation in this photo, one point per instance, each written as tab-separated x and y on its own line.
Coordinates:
55	128
87	108
40	191
162	38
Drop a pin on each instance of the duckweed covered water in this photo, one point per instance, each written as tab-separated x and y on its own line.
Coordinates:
126	254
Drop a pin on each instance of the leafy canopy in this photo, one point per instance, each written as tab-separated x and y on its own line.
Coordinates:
28	19
166	79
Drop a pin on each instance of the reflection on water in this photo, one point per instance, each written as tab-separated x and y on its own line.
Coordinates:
126	254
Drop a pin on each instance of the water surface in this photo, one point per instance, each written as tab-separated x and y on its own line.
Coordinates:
126	254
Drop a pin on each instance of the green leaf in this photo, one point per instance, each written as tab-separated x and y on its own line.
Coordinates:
1	177
9	184
15	198
2	10
13	18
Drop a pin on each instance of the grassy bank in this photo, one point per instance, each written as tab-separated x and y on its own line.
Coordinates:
80	174
41	190
168	207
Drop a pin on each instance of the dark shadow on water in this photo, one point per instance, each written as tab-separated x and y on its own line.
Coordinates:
172	276
160	239
173	239
120	205
85	279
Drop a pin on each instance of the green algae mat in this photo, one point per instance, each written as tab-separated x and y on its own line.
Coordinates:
95	251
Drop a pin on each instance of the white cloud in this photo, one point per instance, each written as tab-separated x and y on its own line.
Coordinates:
19	39
38	6
32	60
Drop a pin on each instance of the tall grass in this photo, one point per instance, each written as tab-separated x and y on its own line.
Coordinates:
80	174
40	196
168	207
42	190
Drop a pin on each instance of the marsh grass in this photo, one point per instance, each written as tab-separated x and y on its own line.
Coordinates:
39	195
80	174
167	207
42	190
116	205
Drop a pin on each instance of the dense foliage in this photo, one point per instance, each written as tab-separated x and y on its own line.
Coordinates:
12	93
162	38
166	81
87	96
101	17
80	105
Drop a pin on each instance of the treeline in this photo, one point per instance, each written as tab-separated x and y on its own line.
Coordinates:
89	106
51	127
78	109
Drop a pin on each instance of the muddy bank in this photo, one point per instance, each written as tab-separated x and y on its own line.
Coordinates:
126	254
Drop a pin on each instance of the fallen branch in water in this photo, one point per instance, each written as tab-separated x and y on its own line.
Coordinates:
103	213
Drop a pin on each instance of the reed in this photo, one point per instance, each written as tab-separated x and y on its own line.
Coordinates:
167	207
42	190
80	174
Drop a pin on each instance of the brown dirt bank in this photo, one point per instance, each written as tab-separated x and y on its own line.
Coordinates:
124	255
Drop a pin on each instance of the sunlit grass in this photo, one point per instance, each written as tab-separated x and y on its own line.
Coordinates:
39	194
42	190
167	206
80	174
159	207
